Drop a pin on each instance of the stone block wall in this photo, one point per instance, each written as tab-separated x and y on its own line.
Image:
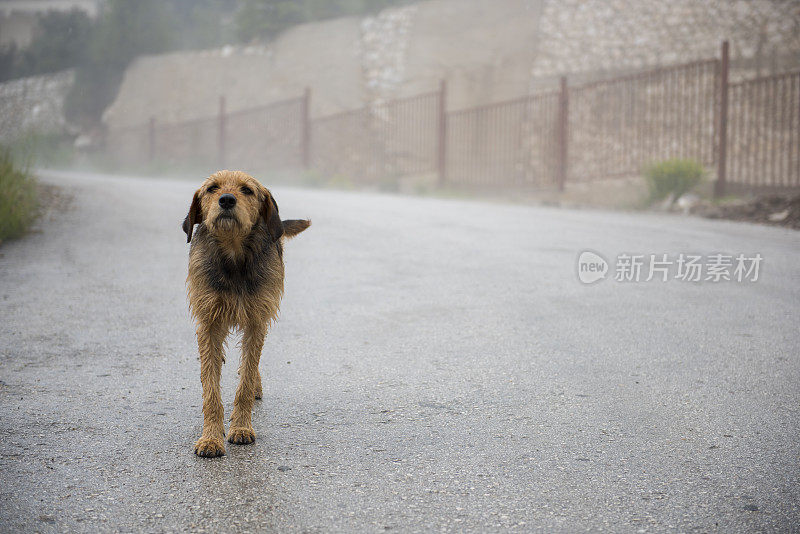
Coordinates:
34	104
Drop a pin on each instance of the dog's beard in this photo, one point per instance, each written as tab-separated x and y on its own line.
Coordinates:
226	222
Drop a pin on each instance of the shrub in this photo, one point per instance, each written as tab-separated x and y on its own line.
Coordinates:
673	176
18	203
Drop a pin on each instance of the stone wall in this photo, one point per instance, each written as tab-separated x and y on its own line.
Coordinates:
483	49
34	104
384	51
487	52
187	85
602	37
348	63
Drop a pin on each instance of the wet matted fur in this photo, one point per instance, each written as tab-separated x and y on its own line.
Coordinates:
235	281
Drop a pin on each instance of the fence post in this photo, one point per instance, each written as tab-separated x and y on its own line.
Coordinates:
221	133
563	119
151	140
773	61
722	152
441	158
305	139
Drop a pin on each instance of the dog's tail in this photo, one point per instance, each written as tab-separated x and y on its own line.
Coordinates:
292	227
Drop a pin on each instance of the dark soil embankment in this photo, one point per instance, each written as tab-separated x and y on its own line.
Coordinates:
773	210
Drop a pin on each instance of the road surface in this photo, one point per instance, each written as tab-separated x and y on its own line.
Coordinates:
437	366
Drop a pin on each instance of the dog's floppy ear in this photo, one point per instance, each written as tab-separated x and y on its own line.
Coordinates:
193	217
269	211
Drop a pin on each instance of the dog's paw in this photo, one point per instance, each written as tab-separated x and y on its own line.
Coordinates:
241	435
209	447
259	393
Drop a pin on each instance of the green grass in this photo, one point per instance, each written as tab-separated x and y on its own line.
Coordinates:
50	150
673	177
18	199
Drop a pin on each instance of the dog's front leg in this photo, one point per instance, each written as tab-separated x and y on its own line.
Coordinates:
241	430
210	338
259	393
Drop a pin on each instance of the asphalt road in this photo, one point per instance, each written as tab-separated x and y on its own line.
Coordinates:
437	367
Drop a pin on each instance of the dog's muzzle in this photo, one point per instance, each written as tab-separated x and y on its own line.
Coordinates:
227	201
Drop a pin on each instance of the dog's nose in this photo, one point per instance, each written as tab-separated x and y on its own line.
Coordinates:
227	201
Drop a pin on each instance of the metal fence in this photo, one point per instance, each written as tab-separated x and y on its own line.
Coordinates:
193	141
508	143
268	137
764	133
380	142
265	137
747	132
617	126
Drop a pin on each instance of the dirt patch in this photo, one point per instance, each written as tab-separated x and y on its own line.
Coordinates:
774	210
53	200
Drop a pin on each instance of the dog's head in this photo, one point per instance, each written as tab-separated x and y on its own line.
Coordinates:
231	204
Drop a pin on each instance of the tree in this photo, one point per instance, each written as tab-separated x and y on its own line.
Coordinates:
265	19
8	62
59	42
124	30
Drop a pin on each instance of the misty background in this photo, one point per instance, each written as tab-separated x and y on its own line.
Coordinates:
104	65
440	363
565	102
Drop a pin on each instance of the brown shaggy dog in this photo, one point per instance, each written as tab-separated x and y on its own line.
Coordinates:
235	281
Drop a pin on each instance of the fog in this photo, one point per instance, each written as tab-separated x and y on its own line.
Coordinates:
401	96
549	282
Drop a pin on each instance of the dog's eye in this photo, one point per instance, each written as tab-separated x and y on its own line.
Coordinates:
246	190
213	188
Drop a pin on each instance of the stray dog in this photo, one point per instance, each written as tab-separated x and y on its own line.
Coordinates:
235	281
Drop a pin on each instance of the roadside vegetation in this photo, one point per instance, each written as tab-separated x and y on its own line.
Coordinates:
673	178
18	197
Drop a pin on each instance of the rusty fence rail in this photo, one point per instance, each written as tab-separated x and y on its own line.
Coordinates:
747	132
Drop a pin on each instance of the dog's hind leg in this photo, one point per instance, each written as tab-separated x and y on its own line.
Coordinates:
210	338
241	430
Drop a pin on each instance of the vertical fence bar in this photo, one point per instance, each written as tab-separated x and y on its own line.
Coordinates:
221	133
734	134
792	148
796	145
773	61
719	186
664	78
774	141
752	131
442	155
563	116
305	135
679	102
782	130
697	109
758	139
151	140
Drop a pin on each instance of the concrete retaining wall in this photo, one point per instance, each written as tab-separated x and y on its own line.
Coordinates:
488	52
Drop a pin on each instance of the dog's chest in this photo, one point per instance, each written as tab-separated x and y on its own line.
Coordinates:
232	276
243	275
